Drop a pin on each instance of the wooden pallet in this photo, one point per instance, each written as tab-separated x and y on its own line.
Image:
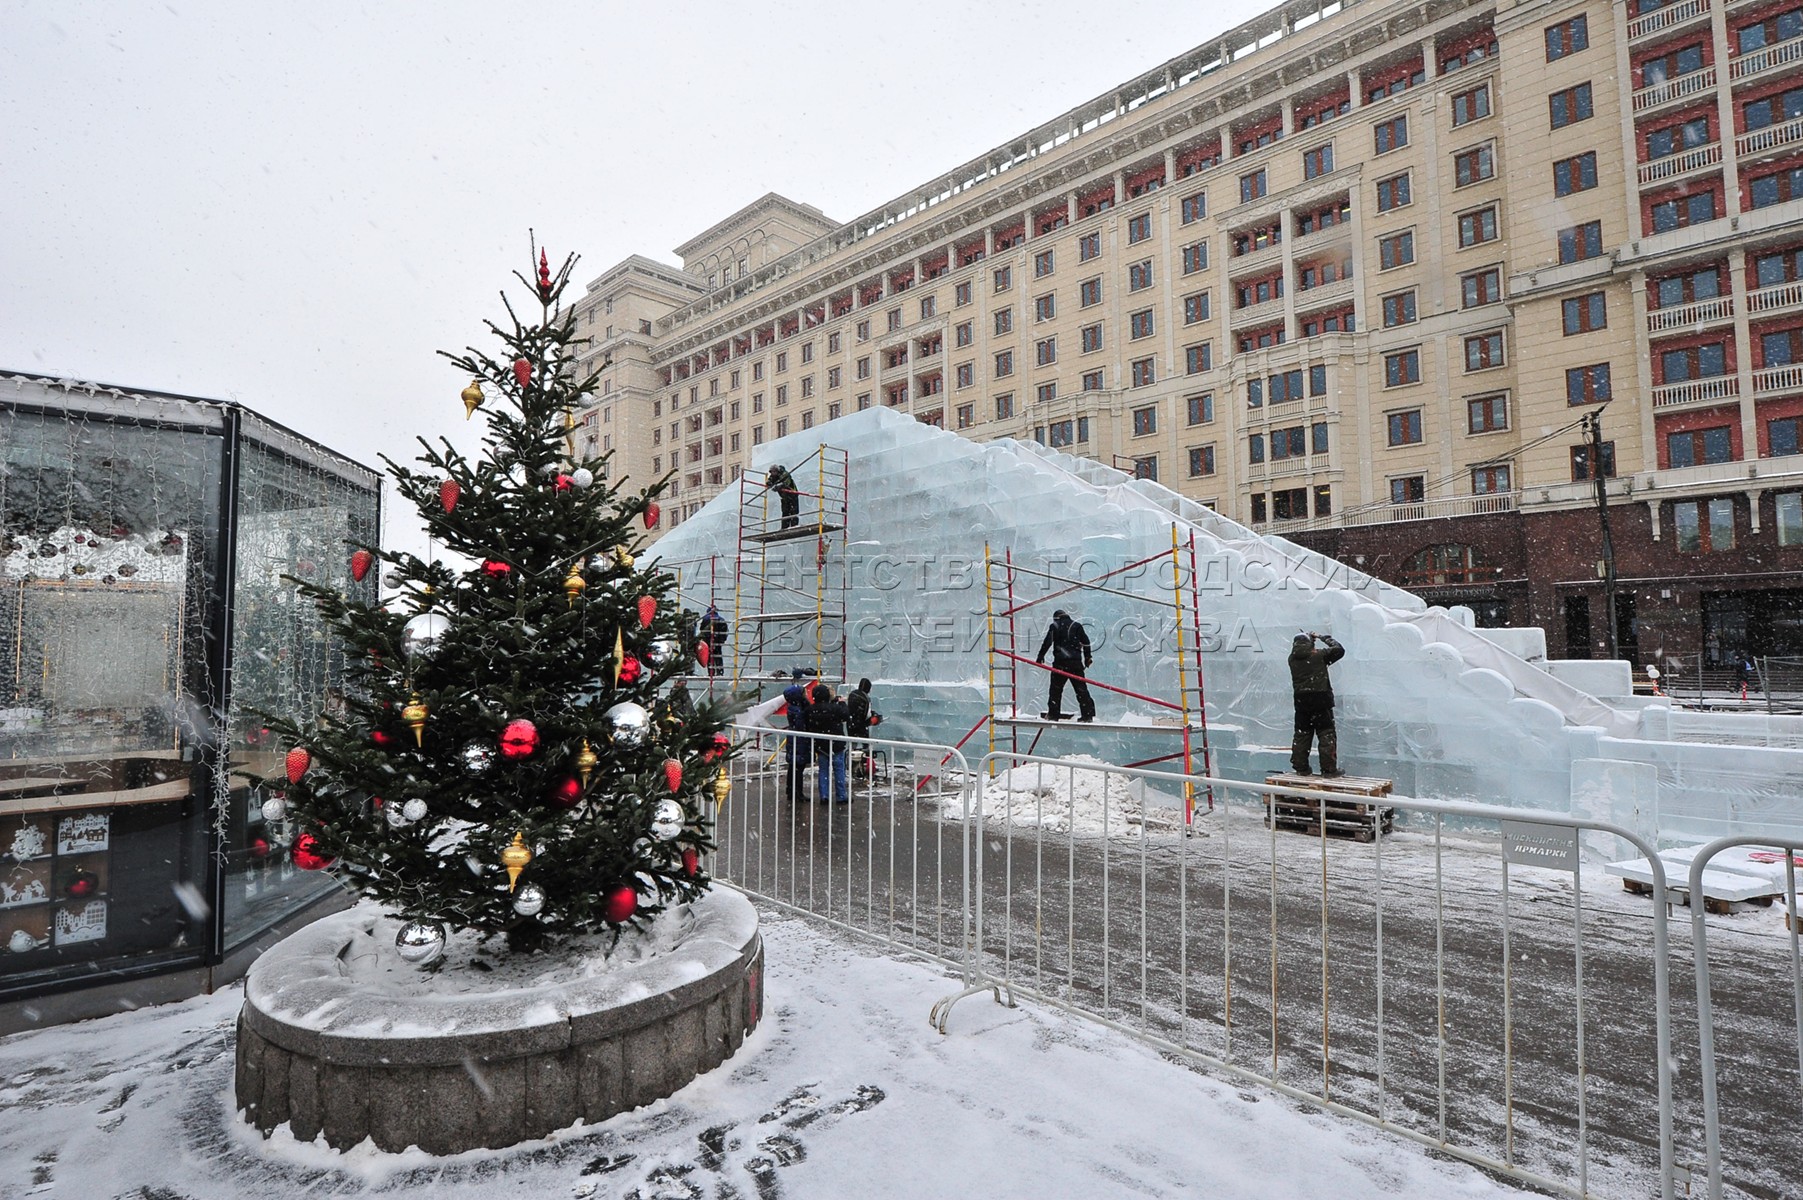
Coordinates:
1715	905
1357	816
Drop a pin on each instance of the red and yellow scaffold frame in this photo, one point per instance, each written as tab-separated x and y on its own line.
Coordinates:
1003	718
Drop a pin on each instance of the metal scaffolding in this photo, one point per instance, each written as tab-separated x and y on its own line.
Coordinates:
795	617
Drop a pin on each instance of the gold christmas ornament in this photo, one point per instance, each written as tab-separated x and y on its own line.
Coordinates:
619	655
574	583
722	787
586	762
414	717
623	556
472	398
514	858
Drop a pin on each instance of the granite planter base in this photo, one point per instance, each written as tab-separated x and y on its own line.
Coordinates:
333	1041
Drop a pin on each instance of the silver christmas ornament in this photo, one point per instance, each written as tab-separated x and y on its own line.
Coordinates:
420	942
421	634
666	820
529	900
394	579
583	478
414	810
275	808
628	724
395	817
477	757
662	651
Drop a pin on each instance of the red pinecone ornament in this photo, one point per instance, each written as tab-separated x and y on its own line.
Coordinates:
702	653
647	611
361	562
691	861
297	763
522	373
620	904
652	512
673	774
448	492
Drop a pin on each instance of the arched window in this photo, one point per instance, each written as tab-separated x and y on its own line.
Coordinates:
1433	566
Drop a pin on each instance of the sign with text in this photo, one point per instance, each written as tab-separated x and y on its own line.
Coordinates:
1531	844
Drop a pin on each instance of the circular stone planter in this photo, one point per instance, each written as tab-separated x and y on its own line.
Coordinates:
338	1037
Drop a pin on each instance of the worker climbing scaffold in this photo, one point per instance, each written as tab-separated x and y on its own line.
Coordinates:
789	609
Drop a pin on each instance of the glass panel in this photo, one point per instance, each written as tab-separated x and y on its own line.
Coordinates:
1684	523
1721	524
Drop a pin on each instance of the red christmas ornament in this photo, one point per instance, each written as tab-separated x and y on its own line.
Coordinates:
259	848
381	737
495	569
691	861
647	611
522	372
85	884
307	854
673	774
629	669
652	512
361	561
702	653
565	483
448	492
620	904
544	276
297	763
722	743
566	793
519	739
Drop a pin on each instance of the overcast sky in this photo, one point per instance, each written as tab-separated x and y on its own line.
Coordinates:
294	205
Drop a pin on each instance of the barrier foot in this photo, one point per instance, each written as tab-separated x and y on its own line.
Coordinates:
942	1011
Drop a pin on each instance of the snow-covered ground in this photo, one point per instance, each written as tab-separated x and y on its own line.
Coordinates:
844	1091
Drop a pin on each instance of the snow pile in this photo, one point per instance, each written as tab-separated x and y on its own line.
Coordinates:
1074	797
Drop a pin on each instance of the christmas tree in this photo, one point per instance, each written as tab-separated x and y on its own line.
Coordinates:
502	760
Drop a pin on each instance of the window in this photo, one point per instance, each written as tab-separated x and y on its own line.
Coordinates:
1089	245
1255	393
895	321
961	295
1576	174
966	374
1471	105
1289	443
1476	228
1201	461
1392	192
1198	358
1092	381
1004	406
863	401
1581	242
1042	264
1392	134
1703	526
1584	313
1409	489
782	427
1045	351
1317	380
963	334
1255	449
1484	351
1194	207
1323	499
807	352
1587	385
807	419
782	394
1694	362
1785	266
1195	258
929	305
967	415
1399	309
1047	392
1318	161
1201	409
1473	166
1195	308
1145	421
1402	368
1257	291
1405	427
1090	338
1569	106
1481	287
1045	307
1776	188
1699	447
1142	373
1252	186
1781	347
1004	364
1290	504
1771	31
1004	321
1146	467
1567	37
1139	228
1397	250
1487	414
1089	293
1686	135
1139	276
757	402
864	367
807	387
1580	462
832	414
1491	480
863	331
1258	508
1139	324
757	373
1285	387
1681	211
1004	278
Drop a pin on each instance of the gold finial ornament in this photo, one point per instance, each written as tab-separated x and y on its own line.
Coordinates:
623	556
586	762
515	857
574	584
414	717
722	787
472	398
619	656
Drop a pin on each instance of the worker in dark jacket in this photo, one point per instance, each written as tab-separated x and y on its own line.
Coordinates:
828	716
713	631
1071	654
857	725
787	494
1314	701
798	751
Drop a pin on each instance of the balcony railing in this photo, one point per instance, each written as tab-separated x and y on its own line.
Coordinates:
1696	391
1689	316
1766	58
1669	17
1776	298
1424	510
1660	94
1252	314
1674	165
1771	137
1323	294
1770	380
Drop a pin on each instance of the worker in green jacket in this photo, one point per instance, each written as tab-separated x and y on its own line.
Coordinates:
1314	701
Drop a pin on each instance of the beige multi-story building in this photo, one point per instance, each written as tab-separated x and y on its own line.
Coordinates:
1350	272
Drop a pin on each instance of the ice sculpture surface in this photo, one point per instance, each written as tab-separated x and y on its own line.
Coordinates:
1422	699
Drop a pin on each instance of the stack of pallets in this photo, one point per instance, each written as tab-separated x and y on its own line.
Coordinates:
1359	816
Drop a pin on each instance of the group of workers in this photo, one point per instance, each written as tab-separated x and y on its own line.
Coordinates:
824	728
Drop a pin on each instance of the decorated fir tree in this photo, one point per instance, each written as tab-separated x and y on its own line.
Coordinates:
506	759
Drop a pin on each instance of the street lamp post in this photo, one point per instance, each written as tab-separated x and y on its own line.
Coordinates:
1594	424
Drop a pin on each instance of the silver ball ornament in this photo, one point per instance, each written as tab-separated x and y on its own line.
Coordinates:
583	478
666	820
275	808
394	579
414	810
421	634
420	942
662	651
529	900
477	757
628	724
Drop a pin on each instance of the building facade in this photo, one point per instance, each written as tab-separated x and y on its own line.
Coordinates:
1352	273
